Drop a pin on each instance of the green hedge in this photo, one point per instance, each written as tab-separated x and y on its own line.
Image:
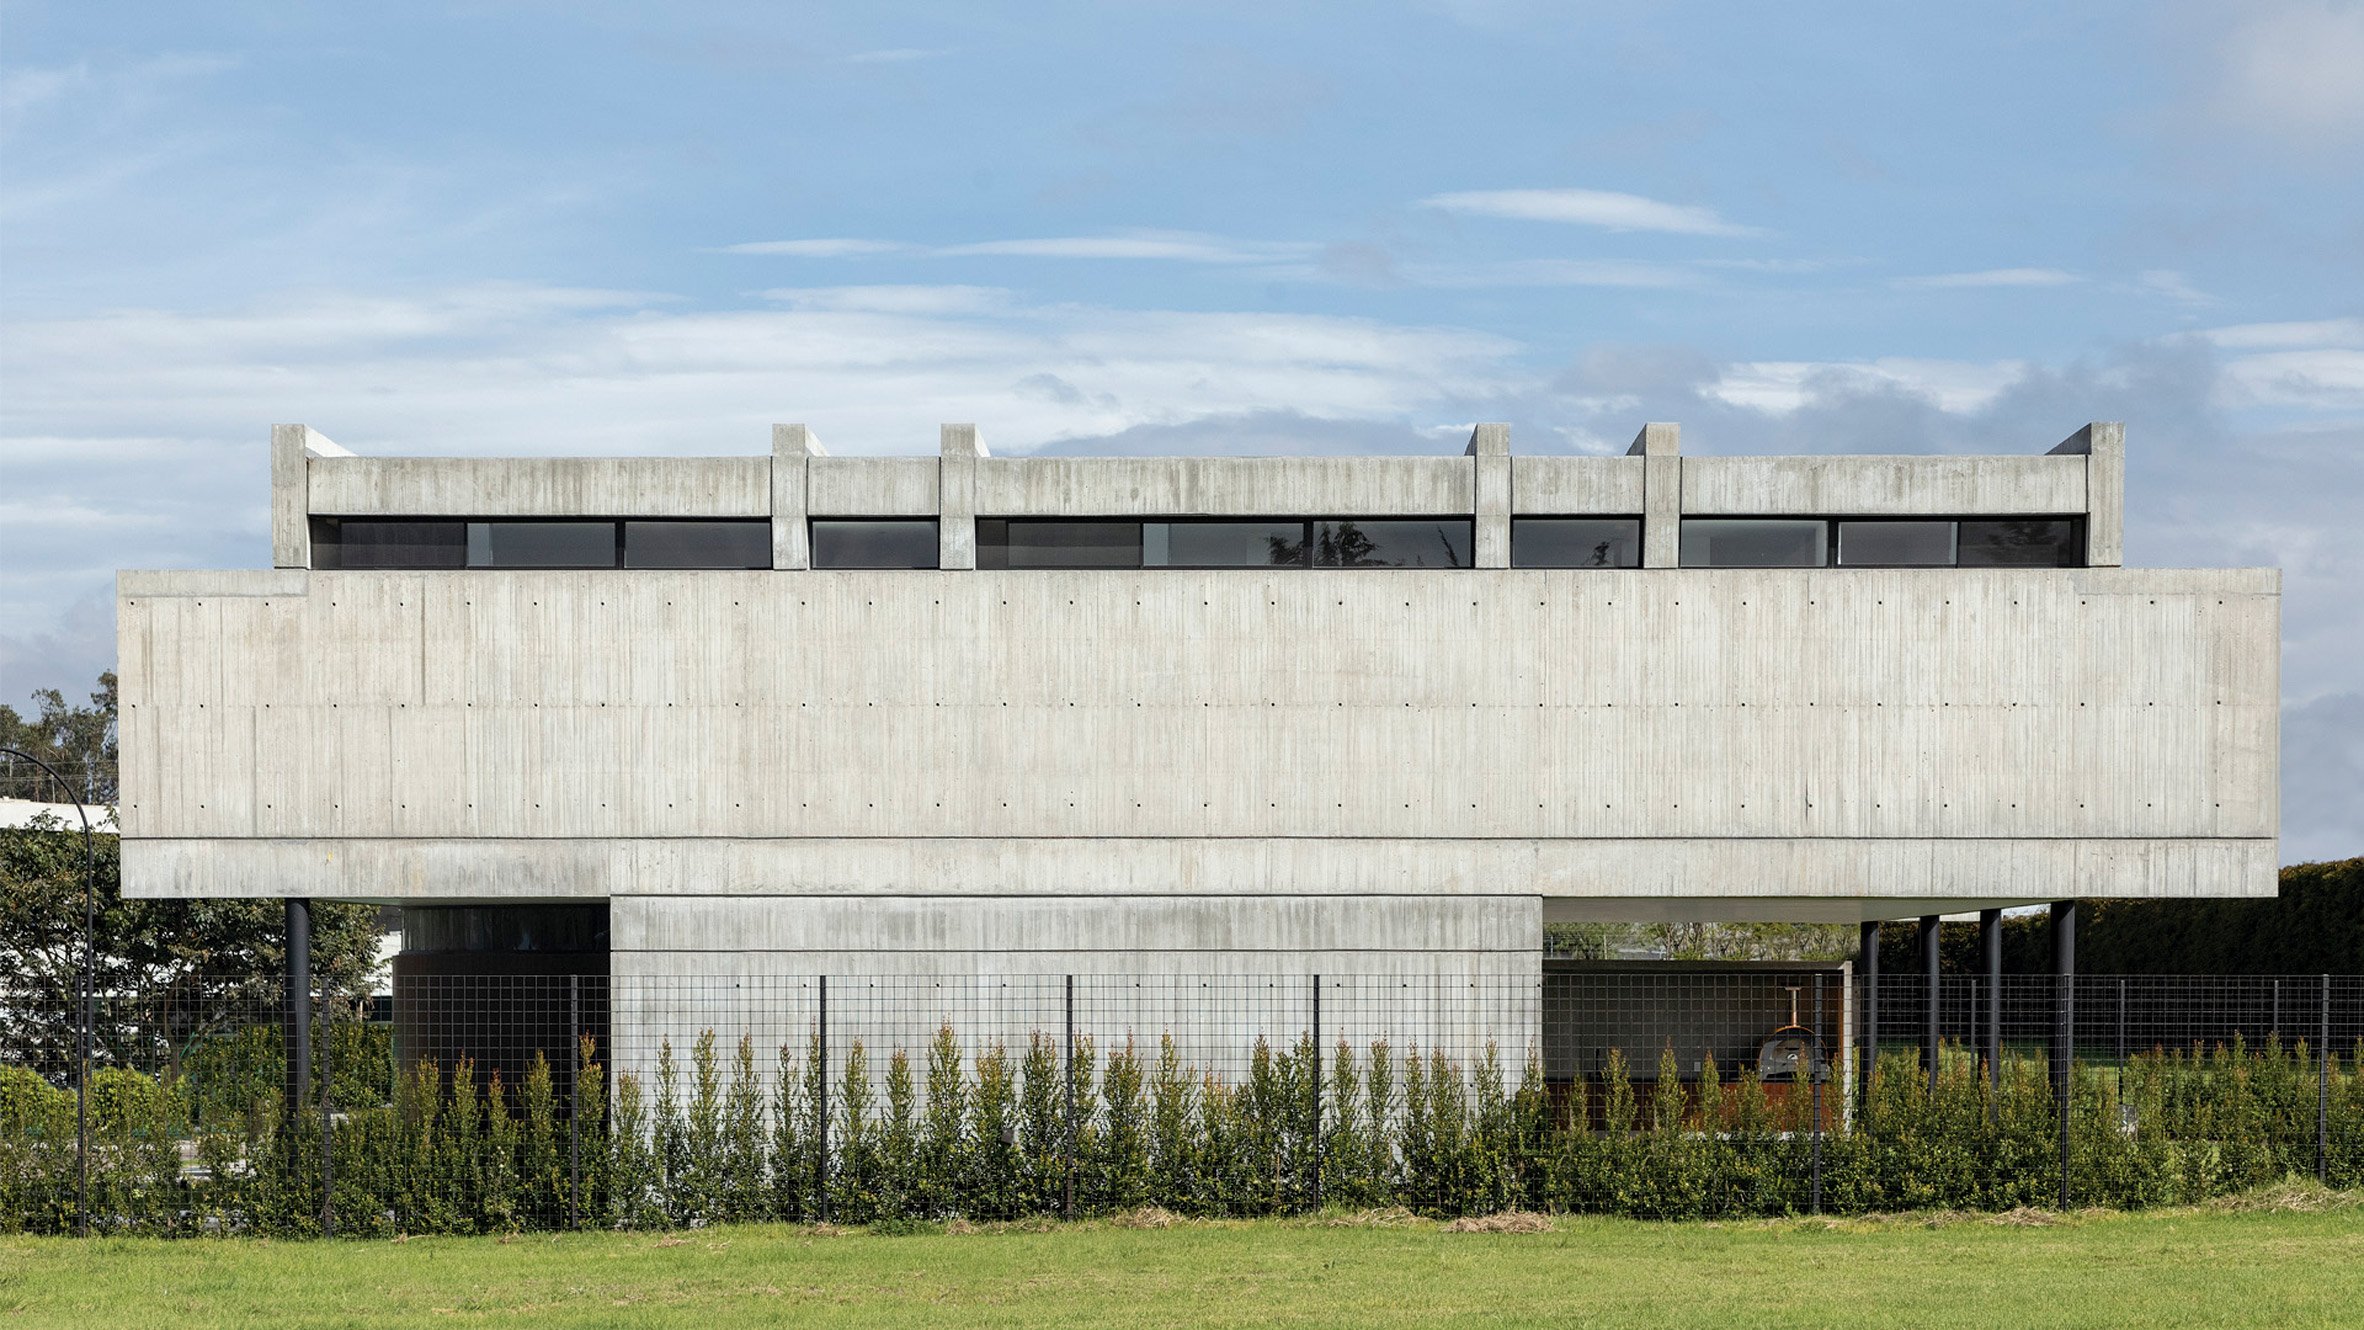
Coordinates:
728	1136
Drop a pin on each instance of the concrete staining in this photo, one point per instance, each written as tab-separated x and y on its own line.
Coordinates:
1381	773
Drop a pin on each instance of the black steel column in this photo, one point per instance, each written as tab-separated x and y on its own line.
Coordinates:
1929	974
1990	951
574	1100
1867	974
328	1154
821	1106
298	1001
1317	1092
1067	1187
2064	1024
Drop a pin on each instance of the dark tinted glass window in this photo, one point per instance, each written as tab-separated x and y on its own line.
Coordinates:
1754	542
371	543
1575	542
875	543
697	544
2023	543
1223	544
1896	544
1057	543
1365	542
541	544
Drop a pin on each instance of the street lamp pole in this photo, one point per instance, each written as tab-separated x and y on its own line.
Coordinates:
89	996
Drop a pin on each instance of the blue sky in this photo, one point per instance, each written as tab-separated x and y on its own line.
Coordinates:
588	228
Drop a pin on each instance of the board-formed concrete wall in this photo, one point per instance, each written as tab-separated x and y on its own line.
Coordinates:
1214	974
1938	734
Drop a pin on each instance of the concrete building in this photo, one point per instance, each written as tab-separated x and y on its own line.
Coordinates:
963	719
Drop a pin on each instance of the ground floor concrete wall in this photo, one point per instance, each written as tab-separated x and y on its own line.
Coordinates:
1215	974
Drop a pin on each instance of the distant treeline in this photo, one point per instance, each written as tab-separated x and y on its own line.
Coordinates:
2315	926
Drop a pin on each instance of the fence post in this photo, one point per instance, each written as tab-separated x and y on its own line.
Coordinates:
1815	1071
328	1076
2323	1086
574	1101
1067	1186
821	1108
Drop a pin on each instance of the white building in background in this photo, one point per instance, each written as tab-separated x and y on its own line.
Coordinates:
965	718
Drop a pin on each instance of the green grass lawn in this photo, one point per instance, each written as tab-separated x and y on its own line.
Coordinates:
2292	1259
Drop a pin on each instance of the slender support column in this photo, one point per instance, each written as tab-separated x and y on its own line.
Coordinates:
1929	977
328	1118
574	1100
1317	1092
1867	970
1990	954
821	1106
298	1001
2064	1024
1067	1184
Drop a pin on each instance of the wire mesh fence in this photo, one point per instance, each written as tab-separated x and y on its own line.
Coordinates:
465	1102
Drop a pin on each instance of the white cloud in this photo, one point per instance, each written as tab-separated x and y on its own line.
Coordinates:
1167	246
2294	69
896	55
1782	386
1178	246
2326	378
824	248
1616	273
2173	285
2317	332
1992	277
1589	207
893	299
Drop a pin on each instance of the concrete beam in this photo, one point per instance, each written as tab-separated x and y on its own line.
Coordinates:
1574	486
348	486
1489	451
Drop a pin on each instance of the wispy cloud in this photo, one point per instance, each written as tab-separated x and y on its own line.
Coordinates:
1610	273
824	248
894	299
2310	333
1176	246
1991	277
2173	285
896	55
1589	207
1153	246
1780	386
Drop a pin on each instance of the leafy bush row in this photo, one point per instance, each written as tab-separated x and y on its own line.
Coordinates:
985	1134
